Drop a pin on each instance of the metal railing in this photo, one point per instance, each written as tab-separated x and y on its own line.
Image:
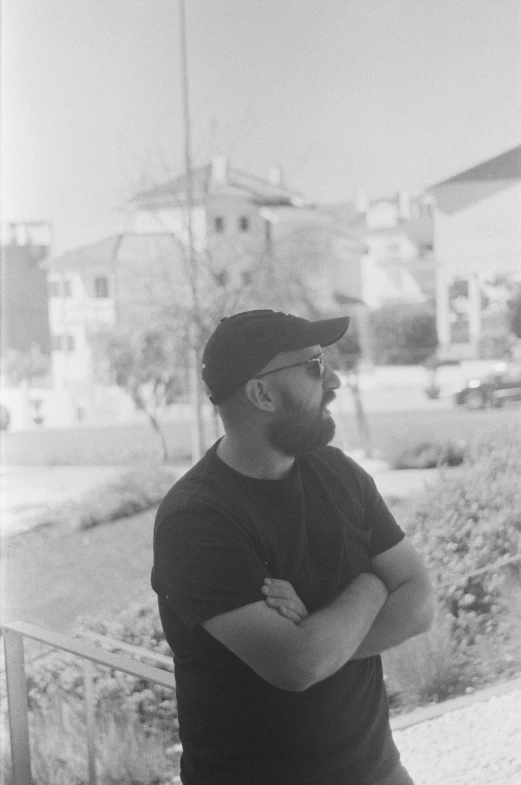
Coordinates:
14	634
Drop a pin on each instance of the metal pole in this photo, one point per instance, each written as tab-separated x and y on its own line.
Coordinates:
197	433
90	721
18	708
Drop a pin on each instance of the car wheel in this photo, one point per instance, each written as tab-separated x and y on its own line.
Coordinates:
475	400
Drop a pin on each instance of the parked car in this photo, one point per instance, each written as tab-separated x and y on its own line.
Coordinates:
5	418
493	389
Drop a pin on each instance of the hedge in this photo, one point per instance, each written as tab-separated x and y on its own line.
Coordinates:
467	525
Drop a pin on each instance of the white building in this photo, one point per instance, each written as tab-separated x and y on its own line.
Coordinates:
477	236
398	266
236	217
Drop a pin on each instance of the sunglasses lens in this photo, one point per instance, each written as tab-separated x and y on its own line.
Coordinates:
317	368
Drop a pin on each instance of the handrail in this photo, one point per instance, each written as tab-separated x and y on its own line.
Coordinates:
147	672
136	651
14	634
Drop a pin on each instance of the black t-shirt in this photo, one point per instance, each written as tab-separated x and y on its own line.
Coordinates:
218	534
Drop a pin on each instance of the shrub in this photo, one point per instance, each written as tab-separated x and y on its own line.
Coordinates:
467	522
428	455
403	334
136	490
137	729
425	669
151	706
125	753
500	447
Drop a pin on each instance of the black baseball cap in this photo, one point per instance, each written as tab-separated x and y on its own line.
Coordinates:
243	344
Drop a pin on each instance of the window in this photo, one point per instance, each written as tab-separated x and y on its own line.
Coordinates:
218	223
101	287
53	288
59	288
244	223
393	248
59	342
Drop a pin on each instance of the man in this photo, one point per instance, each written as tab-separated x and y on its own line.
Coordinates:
282	575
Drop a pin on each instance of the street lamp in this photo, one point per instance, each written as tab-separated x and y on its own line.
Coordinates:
195	387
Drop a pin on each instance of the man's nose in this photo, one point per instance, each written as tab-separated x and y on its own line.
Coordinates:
331	380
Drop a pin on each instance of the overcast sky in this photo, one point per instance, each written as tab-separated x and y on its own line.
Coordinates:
344	95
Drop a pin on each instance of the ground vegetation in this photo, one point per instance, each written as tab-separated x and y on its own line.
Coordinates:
467	526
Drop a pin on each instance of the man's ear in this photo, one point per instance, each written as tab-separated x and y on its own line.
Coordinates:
259	394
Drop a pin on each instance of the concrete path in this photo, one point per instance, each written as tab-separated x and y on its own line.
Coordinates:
391	482
26	492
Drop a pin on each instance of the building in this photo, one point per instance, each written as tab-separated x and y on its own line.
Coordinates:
477	239
25	318
115	280
398	266
239	222
227	206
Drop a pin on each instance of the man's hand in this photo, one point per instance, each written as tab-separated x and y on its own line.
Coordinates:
294	656
282	596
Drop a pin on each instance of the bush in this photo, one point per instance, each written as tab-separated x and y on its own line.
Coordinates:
465	523
403	334
125	753
152	706
425	669
137	729
136	490
428	455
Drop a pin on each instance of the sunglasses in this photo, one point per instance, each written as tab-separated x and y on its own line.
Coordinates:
318	364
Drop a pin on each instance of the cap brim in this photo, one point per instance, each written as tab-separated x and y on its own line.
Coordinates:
323	332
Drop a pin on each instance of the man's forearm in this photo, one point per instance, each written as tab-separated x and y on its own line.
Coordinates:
295	656
332	635
408	611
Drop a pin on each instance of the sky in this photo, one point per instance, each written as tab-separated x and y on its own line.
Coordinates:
342	95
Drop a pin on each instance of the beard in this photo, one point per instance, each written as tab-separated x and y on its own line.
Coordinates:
296	430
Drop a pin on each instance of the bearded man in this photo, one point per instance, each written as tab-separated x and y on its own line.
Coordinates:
281	576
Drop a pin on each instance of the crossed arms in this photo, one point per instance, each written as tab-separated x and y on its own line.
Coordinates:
293	651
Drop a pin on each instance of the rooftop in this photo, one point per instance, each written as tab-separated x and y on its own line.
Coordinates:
218	178
506	166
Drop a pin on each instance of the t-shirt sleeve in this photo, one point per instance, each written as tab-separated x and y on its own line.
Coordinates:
385	531
204	565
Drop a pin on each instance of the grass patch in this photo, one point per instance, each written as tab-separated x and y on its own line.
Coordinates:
126	753
50	578
425	669
130	444
118	445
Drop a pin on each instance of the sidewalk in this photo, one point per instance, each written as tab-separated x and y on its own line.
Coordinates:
26	492
399	483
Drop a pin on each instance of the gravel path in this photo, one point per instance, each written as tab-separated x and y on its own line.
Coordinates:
477	745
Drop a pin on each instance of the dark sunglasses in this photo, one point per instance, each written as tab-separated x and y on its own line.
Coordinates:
317	363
